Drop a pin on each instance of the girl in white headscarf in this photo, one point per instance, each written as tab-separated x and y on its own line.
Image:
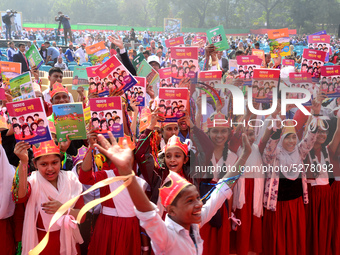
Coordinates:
45	191
284	226
7	206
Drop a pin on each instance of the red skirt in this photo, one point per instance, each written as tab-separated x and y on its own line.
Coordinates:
336	218
248	237
216	241
53	245
7	241
116	236
284	230
319	220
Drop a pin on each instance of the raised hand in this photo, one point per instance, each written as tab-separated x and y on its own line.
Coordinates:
65	145
155	117
118	42
121	157
20	150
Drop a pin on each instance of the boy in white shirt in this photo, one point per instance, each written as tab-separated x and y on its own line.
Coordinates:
179	234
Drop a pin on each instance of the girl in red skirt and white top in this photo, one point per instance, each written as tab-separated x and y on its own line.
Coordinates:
284	226
216	232
319	217
117	230
248	202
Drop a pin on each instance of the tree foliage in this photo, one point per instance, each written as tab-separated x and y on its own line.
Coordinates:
304	15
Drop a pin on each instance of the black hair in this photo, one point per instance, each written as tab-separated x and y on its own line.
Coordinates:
54	70
179	195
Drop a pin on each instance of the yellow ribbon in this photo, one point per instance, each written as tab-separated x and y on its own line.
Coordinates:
64	208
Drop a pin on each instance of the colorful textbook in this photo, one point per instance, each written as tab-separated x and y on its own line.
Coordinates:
9	70
22	87
107	115
165	77
279	42
312	61
33	57
217	37
69	120
29	121
264	80
80	78
330	81
137	60
97	53
211	79
320	42
145	70
300	80
172	101
174	42
184	63
115	72
246	66
138	91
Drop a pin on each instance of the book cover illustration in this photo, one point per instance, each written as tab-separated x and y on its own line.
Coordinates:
33	57
184	63
172	101
330	81
165	77
217	37
97	53
138	91
312	61
107	115
22	87
29	121
264	81
80	78
114	73
9	70
69	120
279	42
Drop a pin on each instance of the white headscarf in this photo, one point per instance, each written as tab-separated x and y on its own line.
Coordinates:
7	171
287	158
68	187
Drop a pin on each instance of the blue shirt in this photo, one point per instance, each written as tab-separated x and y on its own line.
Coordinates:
53	52
65	22
69	55
182	138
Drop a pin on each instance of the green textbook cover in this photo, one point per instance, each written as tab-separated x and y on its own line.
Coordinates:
33	57
69	120
145	70
217	37
22	87
137	60
80	78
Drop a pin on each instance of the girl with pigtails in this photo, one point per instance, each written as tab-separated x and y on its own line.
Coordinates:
284	223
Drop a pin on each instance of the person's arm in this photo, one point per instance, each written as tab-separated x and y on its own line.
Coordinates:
21	151
134	107
123	160
91	139
125	58
334	144
222	190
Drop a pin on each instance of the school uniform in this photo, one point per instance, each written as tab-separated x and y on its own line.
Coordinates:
216	234
319	217
117	230
168	237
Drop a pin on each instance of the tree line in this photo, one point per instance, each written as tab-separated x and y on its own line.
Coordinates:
306	16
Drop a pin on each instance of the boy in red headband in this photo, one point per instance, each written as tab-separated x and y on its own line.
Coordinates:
179	234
